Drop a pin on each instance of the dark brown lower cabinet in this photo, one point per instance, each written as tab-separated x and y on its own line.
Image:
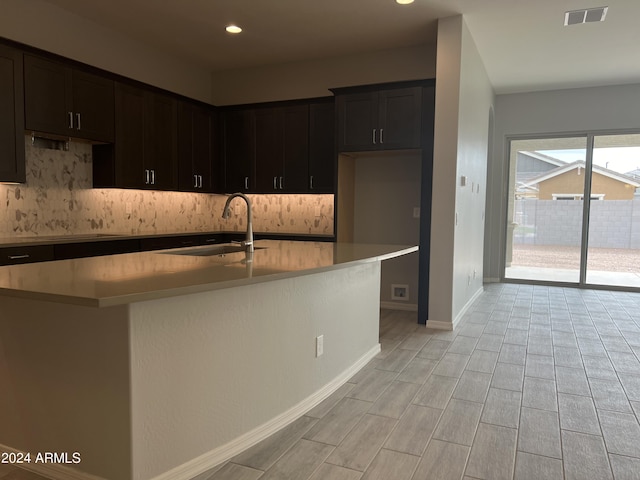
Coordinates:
12	156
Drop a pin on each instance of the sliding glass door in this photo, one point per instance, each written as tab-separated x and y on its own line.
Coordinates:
553	235
545	209
613	253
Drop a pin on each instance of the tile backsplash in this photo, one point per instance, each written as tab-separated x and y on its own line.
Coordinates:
58	199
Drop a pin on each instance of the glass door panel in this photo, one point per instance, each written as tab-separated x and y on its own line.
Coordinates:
545	209
613	252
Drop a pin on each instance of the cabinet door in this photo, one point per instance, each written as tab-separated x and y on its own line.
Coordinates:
295	146
48	103
93	107
130	137
194	147
322	152
268	148
399	118
12	157
161	141
357	122
239	151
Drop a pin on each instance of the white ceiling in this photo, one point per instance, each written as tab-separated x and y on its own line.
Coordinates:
523	43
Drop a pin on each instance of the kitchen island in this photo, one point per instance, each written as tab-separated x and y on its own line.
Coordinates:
160	365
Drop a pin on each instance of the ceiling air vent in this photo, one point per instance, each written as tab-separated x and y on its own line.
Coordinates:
589	15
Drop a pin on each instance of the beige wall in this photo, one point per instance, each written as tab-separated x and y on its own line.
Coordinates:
573	182
42	25
315	78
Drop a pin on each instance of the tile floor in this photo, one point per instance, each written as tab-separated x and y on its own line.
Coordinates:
535	383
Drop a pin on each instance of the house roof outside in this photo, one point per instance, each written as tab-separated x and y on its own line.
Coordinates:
581	164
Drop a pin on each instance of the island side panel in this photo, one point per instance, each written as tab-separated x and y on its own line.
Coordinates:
209	368
64	383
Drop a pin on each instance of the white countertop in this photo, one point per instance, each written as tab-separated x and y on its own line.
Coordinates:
134	277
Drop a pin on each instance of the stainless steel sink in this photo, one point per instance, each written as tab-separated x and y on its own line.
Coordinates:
208	250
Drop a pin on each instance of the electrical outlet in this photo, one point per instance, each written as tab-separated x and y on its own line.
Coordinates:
319	345
416	212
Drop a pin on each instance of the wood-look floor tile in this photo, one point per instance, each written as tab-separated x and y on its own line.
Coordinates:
495	327
609	395
263	455
482	361
572	381
631	385
393	402
362	444
540	346
539	433
516	336
515	354
489	342
493	453
451	365
396	360
567	356
621	433
459	422
336	424
232	471
434	349
625	468
414	430
625	362
331	401
372	386
436	392
502	407
508	376
472	386
299	462
417	371
599	367
327	471
540	393
537	467
442	461
578	414
585	457
388	464
463	345
415	341
540	366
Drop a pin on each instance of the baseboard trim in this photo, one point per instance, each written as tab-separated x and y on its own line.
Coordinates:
50	470
207	461
466	307
407	307
440	325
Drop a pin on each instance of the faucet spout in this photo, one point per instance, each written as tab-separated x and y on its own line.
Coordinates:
248	243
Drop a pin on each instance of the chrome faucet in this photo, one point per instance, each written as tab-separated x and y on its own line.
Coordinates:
248	243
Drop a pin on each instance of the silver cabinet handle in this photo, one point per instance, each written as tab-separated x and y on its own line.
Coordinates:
246	183
281	183
153	177
70	114
311	182
146	177
18	257
195	179
374	136
381	138
78	122
275	183
200	177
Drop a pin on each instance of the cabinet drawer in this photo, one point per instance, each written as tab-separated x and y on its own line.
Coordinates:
30	254
95	249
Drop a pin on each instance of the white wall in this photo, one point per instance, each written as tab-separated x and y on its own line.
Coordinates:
464	99
314	78
577	110
42	25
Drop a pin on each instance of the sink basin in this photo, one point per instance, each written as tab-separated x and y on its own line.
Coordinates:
208	250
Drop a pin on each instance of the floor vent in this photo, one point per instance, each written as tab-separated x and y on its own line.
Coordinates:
576	17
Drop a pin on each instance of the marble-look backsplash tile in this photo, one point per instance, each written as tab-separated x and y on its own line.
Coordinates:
57	199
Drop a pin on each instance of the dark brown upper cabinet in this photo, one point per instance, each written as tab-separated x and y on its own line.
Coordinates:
196	145
322	147
282	148
12	153
67	101
239	150
379	119
144	154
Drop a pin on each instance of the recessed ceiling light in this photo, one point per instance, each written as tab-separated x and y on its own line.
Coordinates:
404	2
233	29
